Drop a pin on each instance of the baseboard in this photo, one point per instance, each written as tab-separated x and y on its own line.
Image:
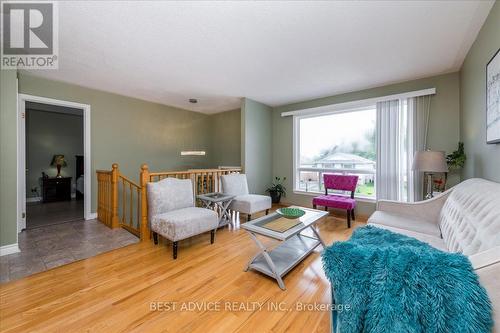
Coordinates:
9	249
91	216
34	199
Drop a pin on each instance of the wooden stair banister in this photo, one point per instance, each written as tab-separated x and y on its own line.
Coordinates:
107	196
114	195
145	234
113	186
130	187
104	211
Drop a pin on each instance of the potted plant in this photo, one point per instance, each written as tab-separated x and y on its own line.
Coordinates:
456	160
277	189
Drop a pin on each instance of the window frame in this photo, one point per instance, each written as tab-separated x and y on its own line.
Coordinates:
361	106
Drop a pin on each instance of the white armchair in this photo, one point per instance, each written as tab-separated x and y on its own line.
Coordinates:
173	215
236	184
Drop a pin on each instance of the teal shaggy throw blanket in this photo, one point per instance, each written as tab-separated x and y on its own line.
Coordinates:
394	283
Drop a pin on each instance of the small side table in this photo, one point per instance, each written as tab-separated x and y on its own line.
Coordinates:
219	202
56	189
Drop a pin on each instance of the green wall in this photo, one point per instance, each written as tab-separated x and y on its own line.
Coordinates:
226	138
48	134
8	158
130	131
483	160
443	128
256	144
124	130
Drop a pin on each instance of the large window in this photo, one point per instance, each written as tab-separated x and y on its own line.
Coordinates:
374	139
343	143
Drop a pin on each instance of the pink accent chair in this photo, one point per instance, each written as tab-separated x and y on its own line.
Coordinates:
342	183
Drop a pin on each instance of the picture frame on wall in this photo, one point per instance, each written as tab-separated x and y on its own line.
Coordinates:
493	99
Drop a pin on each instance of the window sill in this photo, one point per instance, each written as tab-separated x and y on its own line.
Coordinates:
315	194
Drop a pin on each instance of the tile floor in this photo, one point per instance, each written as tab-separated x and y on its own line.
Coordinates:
42	214
55	245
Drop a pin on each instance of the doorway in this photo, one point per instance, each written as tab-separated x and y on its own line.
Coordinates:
54	162
48	245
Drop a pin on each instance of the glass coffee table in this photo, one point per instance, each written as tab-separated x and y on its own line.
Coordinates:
295	245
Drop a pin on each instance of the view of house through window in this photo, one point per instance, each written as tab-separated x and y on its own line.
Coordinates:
343	143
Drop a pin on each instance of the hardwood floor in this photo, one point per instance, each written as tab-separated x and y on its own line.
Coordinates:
56	245
122	290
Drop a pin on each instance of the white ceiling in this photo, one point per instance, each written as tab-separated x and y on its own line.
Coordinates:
273	52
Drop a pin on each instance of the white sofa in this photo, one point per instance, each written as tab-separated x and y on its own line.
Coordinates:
464	219
244	202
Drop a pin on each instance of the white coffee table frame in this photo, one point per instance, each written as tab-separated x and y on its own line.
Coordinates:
293	248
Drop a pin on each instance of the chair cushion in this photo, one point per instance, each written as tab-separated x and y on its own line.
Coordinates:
235	184
405	222
434	241
250	203
335	201
183	223
470	217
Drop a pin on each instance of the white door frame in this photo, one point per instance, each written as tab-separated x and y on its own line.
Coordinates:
21	153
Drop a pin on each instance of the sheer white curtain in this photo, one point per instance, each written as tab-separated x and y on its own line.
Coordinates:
401	131
388	163
418	125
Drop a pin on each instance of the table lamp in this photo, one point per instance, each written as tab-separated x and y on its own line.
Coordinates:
430	162
58	161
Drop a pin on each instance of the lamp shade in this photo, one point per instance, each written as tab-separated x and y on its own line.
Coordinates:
58	160
430	161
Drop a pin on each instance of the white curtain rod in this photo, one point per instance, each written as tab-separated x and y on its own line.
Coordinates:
358	103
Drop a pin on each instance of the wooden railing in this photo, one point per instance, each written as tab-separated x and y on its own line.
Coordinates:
129	212
123	203
204	180
105	198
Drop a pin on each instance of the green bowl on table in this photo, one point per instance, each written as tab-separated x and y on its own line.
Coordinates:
291	213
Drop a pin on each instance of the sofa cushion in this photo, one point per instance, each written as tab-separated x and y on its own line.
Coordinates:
486	258
405	222
183	223
489	279
470	218
250	203
433	241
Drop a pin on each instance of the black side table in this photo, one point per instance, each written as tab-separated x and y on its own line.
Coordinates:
56	189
